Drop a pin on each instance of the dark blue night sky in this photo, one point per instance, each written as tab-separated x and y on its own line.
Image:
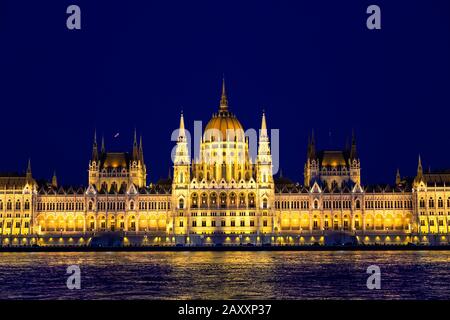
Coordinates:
309	64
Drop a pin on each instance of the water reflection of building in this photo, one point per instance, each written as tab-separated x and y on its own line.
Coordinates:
223	196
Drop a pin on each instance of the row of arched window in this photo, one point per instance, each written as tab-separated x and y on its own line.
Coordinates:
60	206
345	204
431	203
17	206
222	200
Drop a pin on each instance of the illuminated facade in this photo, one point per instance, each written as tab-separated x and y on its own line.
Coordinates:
224	197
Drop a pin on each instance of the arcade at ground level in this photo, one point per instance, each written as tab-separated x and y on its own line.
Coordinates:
143	240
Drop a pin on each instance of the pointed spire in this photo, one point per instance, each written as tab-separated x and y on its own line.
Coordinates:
398	178
95	137
94	147
181	132
29	174
353	152
135	147
312	146
223	98
181	152
263	132
419	167
54	180
419	177
141	150
103	150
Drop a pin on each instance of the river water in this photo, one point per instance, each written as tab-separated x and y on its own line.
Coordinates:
226	275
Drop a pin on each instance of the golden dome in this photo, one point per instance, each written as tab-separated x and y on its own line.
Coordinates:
224	125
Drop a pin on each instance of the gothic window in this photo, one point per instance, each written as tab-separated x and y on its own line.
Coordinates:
213	198
181	203
1	205
358	204
232	198
194	200
242	199
316	204
264	203
131	205
204	200
440	203
431	203
18	205
90	206
422	203
223	200
27	205
251	200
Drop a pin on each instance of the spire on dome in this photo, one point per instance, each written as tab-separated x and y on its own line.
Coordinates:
223	98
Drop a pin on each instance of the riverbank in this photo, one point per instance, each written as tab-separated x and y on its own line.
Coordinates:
226	248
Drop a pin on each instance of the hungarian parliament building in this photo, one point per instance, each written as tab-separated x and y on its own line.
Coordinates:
223	197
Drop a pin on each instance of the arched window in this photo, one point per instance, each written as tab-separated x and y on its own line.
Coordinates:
251	200
357	204
422	203
131	205
223	200
213	199
1	205
431	203
181	203
440	203
27	205
194	200
18	205
90	205
204	200
181	180
316	204
264	203
232	198
242	200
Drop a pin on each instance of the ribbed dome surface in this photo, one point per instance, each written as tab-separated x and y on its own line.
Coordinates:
224	126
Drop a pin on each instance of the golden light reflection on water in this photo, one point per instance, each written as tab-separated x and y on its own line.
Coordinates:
226	275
